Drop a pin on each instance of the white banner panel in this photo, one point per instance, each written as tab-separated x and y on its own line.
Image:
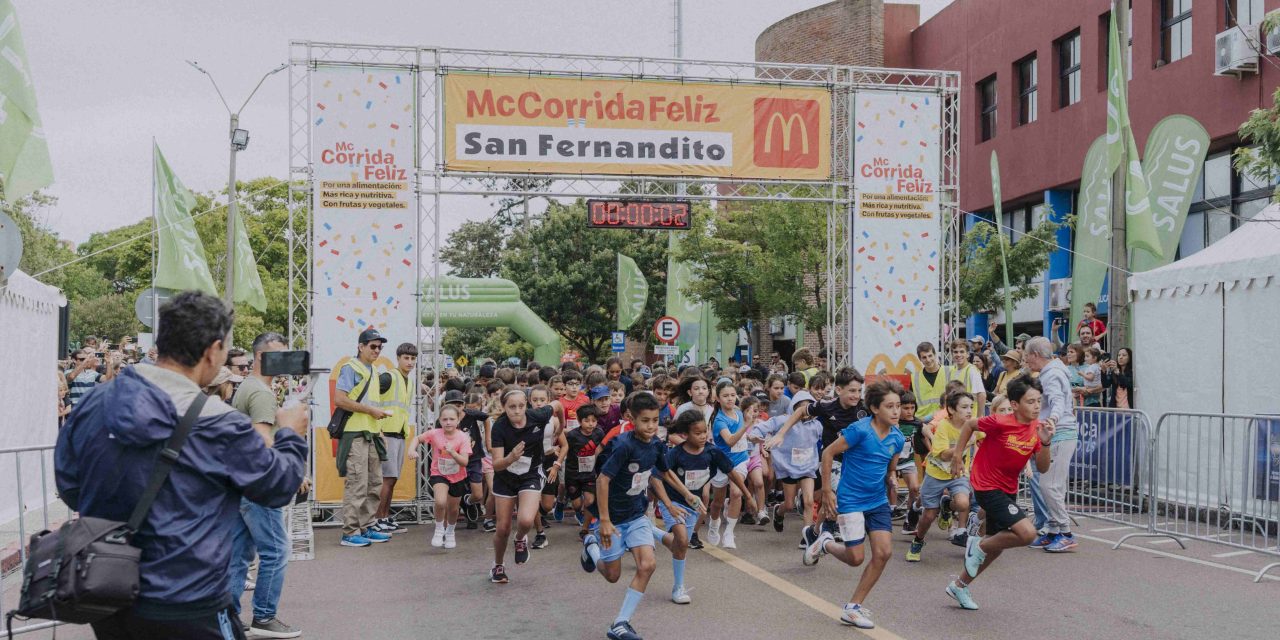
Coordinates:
366	251
897	228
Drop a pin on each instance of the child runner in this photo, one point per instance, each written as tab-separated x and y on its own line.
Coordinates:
623	483
553	453
566	406
938	476
692	464
473	424
859	504
730	436
517	480
910	427
694	391
1012	439
450	451
795	460
583	445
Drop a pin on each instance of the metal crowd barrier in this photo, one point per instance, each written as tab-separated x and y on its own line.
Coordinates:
1216	478
32	469
1106	479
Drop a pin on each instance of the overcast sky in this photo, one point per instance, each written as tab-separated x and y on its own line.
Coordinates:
109	76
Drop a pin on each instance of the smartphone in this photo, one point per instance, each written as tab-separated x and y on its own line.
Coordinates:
286	363
100	355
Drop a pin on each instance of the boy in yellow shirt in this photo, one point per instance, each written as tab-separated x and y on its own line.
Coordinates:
938	476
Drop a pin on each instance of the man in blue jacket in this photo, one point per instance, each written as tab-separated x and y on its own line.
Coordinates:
106	451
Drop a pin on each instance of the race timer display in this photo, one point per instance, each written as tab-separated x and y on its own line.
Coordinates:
638	214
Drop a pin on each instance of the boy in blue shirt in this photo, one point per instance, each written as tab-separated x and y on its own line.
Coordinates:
860	504
621	495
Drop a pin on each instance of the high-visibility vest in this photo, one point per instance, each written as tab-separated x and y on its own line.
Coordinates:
962	375
929	396
397	402
359	422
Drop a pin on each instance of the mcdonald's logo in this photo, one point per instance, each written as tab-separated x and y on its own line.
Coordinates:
786	133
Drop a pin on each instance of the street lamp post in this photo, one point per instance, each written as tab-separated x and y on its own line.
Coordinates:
239	141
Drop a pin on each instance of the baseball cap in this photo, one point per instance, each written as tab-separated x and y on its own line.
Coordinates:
1024	336
744	368
646	372
599	391
454	397
371	335
760	395
977	339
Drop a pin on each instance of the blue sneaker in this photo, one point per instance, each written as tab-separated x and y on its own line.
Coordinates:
1062	543
355	540
558	514
376	536
1043	540
588	564
974	556
961	596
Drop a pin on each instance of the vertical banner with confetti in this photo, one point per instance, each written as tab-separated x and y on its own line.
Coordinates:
365	222
896	228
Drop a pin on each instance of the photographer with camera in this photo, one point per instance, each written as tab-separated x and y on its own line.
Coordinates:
105	455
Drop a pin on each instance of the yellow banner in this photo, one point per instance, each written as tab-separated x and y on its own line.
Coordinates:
635	127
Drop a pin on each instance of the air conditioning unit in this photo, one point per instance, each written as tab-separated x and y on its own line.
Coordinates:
1060	294
1235	51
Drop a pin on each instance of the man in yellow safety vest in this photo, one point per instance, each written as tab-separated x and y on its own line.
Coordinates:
397	429
361	449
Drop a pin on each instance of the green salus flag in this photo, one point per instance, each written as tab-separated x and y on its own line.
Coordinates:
633	292
181	264
24	154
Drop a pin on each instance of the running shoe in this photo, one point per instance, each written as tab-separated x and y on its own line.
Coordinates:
577	515
1062	543
522	550
856	615
498	575
680	595
713	533
944	517
622	631
898	513
1041	541
727	541
762	518
490	525
472	525
272	628
974	526
474	511
814	552
389	525
913	554
959	537
558	514
778	513
807	535
588	564
748	518
961	596
908	529
437	538
376	536
913	517
540	541
974	556
694	541
450	540
355	540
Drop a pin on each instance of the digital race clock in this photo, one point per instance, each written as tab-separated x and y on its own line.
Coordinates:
638	214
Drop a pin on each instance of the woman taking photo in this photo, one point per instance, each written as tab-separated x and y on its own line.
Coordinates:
1117	378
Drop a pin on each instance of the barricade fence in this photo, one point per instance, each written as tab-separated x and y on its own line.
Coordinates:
29	505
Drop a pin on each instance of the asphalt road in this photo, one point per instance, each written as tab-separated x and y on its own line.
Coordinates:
405	589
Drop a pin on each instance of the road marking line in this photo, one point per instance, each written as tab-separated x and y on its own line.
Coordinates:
1232	554
1111	529
1175	556
793	591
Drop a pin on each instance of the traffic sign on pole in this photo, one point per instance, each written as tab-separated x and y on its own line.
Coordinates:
666	329
619	341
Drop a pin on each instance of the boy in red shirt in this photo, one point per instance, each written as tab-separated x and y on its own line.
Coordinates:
1011	440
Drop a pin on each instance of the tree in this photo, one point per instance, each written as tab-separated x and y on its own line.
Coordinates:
47	257
476	344
981	276
568	275
110	315
474	250
763	260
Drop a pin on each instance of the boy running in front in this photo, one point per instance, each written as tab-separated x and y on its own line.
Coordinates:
1012	439
625	478
859	504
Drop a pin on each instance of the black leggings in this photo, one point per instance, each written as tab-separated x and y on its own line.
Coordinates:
220	625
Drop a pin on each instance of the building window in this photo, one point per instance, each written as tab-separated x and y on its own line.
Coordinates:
1175	30
1223	199
1027	85
1104	28
1242	12
1069	69
987	112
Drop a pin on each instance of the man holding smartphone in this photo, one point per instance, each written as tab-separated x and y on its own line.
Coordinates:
261	528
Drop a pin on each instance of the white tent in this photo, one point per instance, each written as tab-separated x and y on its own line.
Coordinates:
1206	329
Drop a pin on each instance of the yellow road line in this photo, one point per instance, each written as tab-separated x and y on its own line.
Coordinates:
796	593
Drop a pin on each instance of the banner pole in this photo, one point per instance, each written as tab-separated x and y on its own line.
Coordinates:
1118	286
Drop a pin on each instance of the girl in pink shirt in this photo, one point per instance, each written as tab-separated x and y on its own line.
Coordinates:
450	450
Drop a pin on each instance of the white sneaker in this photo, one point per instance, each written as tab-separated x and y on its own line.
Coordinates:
713	534
680	595
855	615
437	538
815	551
450	540
727	541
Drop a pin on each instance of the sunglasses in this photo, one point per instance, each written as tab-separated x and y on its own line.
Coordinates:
376	346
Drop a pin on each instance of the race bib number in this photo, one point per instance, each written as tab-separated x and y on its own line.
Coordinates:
852	526
906	450
446	465
639	482
742	445
801	456
521	466
570	423
695	479
586	464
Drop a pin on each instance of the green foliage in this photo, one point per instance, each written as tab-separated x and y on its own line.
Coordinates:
479	343
568	275
109	315
981	277
759	260
43	251
474	250
1262	132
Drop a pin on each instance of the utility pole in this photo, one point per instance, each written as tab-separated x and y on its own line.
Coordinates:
1118	292
239	141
